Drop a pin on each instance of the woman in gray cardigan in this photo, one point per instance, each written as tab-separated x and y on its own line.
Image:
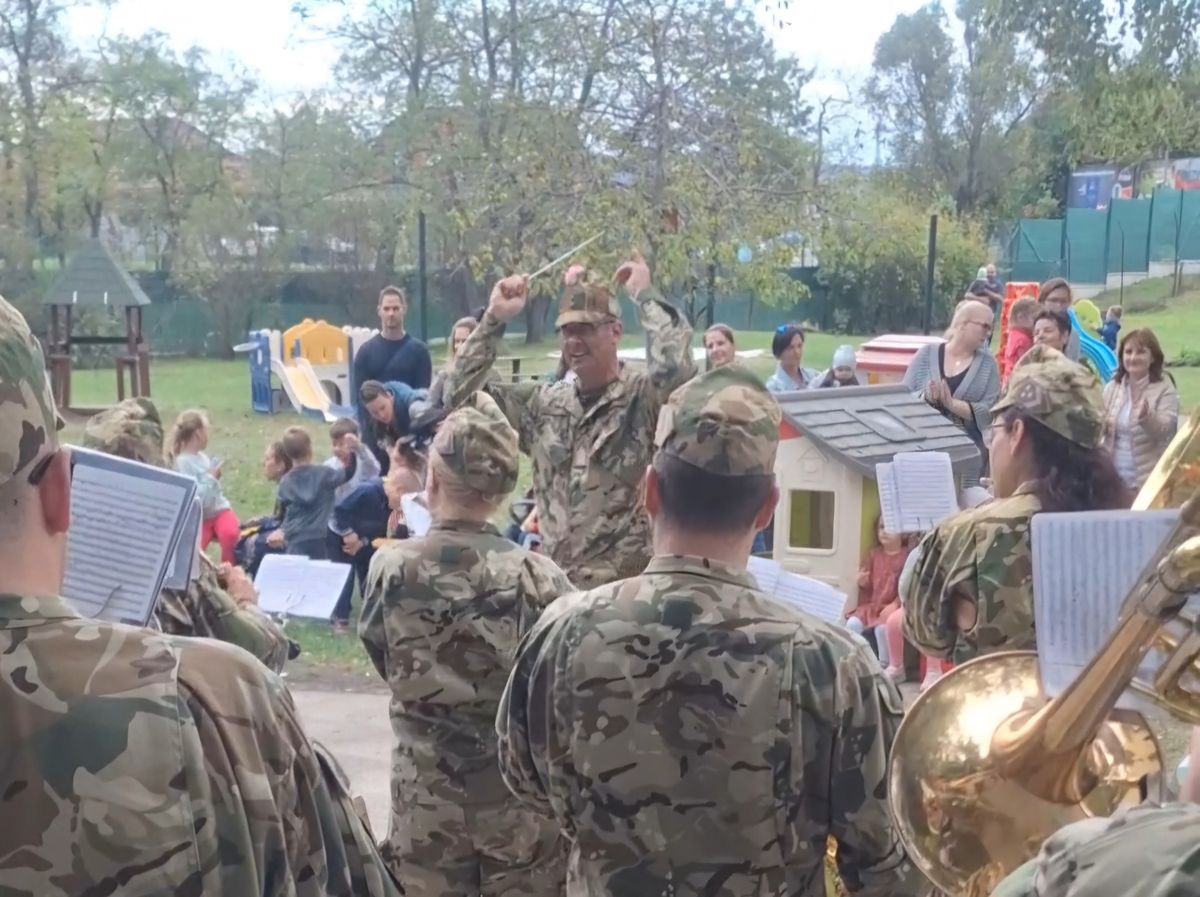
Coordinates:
959	377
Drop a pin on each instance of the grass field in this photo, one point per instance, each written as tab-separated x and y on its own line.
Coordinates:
222	388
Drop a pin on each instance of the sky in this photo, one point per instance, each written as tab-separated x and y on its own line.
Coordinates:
265	36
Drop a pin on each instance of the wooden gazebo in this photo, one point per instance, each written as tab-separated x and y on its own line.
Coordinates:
94	279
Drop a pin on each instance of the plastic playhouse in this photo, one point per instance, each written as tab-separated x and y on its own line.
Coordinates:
1085	317
884	359
313	364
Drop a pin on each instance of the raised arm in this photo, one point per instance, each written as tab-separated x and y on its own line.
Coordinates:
473	363
668	333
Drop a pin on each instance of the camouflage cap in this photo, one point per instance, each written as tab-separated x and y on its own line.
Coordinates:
131	429
29	422
479	445
588	303
1058	393
724	422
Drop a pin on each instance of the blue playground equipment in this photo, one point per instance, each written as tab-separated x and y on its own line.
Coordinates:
1091	347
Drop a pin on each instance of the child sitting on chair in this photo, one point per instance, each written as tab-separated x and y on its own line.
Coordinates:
879	593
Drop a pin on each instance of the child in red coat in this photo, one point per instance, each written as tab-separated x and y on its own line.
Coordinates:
1020	335
879	589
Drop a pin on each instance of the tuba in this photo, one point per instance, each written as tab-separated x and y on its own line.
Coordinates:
985	767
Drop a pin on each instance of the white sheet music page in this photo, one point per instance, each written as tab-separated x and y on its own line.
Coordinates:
125	524
766	573
925	483
416	515
1084	565
889	497
298	586
820	599
185	564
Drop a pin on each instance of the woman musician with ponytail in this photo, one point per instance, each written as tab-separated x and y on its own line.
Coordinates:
971	591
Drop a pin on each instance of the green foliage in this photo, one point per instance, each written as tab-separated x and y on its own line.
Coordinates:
874	254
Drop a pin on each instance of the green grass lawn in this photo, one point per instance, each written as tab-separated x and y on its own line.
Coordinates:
222	388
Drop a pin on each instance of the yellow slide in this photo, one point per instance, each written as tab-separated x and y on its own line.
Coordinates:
304	390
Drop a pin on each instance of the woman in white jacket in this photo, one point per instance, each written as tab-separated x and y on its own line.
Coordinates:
1141	408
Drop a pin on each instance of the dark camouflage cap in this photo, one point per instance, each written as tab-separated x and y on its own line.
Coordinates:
588	303
1058	393
29	422
131	429
724	422
1148	850
479	445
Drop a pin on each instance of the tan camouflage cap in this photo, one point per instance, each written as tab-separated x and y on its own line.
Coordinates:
1058	393
131	429
724	422
29	422
478	444
588	303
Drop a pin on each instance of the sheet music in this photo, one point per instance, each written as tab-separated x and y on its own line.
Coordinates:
185	564
1084	565
916	491
125	525
821	600
766	572
298	586
416	516
812	596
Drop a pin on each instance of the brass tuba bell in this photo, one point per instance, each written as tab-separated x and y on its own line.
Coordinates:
985	767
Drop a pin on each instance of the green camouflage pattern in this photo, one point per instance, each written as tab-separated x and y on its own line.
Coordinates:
442	617
983	557
1058	393
587	303
133	429
140	764
1147	851
206	610
477	443
724	422
589	462
29	423
693	735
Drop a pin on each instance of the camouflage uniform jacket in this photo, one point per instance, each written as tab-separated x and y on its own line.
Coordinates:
692	735
984	557
141	764
1147	851
588	461
206	610
441	621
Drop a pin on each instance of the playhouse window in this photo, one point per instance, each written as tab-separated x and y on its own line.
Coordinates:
812	516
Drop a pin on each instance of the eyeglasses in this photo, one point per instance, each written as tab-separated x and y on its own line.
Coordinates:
986	325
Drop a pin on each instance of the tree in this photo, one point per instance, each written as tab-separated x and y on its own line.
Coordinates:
952	115
183	117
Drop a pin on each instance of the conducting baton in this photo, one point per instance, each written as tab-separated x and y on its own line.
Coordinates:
566	255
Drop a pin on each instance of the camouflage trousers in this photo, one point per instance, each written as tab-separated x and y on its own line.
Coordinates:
456	850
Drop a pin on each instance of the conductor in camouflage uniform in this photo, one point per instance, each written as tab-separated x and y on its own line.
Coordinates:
971	588
692	734
590	436
133	762
207	608
441	621
1144	851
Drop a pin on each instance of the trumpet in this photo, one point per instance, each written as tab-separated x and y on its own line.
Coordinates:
985	766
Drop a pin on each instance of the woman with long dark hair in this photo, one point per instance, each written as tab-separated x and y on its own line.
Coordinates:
1141	408
971	590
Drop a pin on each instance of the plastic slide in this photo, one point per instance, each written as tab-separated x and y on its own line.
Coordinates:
304	391
1103	359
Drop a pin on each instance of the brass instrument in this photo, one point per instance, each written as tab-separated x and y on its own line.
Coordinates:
985	767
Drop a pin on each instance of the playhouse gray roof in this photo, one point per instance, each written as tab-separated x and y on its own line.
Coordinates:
93	277
866	425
